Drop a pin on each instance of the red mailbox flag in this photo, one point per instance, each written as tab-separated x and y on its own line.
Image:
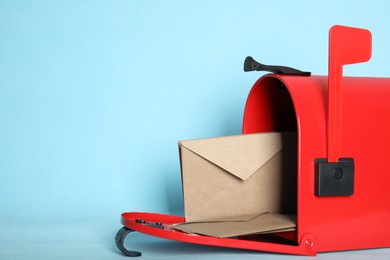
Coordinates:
347	45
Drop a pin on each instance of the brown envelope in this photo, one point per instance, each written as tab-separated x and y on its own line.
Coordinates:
257	224
239	175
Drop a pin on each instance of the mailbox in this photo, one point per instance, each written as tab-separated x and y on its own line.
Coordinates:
343	174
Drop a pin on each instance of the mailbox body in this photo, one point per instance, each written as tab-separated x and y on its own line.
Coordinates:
289	102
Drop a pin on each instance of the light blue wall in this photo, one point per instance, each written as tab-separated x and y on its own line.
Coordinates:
95	94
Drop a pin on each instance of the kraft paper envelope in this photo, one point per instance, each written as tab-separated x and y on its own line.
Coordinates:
239	175
257	224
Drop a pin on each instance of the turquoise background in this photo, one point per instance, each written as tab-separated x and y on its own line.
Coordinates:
95	94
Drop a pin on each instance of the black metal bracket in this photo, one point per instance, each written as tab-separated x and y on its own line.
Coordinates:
334	178
120	238
251	65
150	224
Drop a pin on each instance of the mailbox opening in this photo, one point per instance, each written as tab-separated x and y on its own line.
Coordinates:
270	108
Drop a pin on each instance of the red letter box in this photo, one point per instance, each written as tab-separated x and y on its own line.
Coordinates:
343	176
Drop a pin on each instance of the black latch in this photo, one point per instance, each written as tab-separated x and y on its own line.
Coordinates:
334	178
251	65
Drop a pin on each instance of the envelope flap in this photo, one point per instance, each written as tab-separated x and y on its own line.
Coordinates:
240	155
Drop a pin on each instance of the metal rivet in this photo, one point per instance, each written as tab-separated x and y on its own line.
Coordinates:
337	173
309	243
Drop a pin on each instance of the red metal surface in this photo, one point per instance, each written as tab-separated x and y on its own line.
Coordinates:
306	247
338	223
